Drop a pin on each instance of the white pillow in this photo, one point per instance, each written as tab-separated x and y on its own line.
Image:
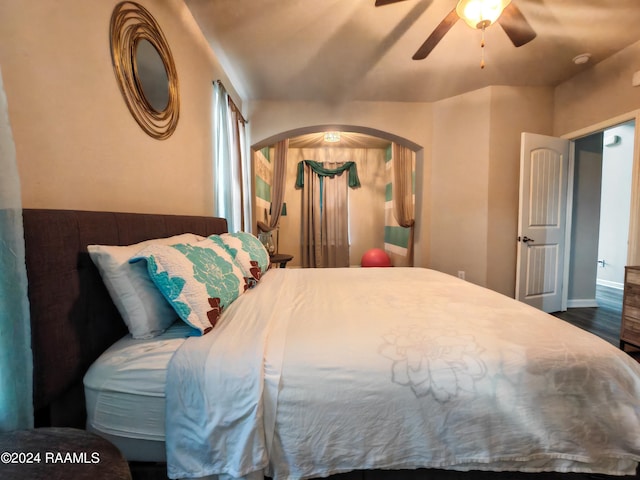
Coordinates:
141	305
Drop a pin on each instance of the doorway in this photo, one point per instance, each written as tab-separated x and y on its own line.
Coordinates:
601	208
600	213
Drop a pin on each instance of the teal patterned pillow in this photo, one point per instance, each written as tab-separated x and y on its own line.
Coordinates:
199	279
248	252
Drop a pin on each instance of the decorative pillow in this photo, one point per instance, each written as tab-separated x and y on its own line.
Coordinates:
142	307
248	252
199	280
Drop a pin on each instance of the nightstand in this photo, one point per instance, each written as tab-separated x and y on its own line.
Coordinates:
280	259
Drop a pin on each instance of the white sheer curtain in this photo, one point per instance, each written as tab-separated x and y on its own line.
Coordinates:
245	162
231	171
16	370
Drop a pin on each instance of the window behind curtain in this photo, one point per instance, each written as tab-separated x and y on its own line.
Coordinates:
232	195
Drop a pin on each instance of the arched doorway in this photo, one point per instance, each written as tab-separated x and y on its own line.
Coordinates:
369	212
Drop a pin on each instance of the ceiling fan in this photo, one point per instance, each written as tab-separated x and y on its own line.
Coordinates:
478	14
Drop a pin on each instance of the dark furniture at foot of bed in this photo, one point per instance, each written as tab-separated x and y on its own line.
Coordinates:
73	319
59	454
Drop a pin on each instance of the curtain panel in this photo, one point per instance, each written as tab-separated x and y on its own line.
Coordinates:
277	185
240	157
402	193
311	221
231	194
16	361
325	218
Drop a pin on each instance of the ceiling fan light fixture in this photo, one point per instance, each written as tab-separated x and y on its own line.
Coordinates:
480	13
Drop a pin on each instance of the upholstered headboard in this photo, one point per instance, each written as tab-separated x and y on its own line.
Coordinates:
73	319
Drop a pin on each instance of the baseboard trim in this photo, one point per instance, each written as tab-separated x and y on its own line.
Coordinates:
610	284
582	303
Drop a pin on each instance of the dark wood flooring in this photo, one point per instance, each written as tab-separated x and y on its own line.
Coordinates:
604	320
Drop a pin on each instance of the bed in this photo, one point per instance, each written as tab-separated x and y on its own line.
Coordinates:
311	373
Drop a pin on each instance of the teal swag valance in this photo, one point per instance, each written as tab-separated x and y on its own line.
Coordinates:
318	168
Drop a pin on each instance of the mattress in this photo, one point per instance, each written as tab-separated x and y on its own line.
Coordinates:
125	393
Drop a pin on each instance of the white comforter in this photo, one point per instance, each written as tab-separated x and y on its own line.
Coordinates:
320	371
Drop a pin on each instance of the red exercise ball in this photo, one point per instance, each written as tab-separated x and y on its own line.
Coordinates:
375	257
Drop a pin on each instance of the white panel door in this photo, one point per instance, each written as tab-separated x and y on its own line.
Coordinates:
544	166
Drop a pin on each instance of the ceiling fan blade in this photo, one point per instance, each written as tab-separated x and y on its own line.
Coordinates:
435	37
516	26
380	3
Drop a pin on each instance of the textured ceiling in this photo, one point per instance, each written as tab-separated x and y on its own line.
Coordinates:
339	50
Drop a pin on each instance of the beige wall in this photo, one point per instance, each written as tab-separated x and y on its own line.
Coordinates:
459	188
513	110
77	145
367	203
475	175
599	93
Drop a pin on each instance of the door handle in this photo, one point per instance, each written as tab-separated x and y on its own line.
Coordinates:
525	239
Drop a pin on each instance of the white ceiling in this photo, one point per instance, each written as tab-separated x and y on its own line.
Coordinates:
340	50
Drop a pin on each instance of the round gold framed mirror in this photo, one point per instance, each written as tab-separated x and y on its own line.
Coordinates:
145	70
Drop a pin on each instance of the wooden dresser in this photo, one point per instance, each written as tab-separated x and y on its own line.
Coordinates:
630	330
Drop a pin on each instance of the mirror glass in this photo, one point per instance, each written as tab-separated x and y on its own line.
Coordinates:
152	75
